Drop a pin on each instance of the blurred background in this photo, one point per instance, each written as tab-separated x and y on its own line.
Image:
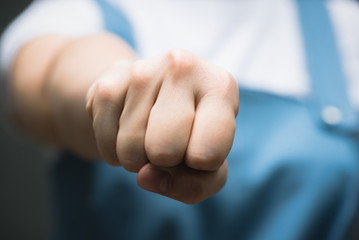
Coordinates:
25	193
25	208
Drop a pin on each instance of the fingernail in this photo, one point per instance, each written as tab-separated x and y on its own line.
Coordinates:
155	180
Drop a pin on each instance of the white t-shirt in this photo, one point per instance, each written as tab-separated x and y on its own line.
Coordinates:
258	41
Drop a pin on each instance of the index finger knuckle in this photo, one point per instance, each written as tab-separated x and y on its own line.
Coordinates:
179	61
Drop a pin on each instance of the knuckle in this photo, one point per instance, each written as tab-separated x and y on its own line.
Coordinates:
140	75
130	152
109	155
131	166
179	61
113	82
203	161
105	89
106	145
226	84
163	156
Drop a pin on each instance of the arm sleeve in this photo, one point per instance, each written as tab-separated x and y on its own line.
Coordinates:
68	17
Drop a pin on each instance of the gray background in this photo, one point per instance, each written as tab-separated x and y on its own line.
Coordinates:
25	210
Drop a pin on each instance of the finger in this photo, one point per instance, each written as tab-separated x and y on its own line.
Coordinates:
140	98
182	183
214	127
170	123
107	105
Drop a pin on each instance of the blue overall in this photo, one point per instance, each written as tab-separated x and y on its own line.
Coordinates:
292	175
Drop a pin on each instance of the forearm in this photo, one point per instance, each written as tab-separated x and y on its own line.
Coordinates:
51	76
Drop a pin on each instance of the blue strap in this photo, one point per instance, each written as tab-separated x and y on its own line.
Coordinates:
324	66
116	22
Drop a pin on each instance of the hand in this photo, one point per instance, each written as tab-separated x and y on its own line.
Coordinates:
169	118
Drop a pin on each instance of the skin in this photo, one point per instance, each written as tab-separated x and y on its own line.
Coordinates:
170	118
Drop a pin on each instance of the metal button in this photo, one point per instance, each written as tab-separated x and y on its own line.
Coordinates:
331	115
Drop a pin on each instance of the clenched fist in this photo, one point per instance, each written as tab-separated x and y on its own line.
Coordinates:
169	118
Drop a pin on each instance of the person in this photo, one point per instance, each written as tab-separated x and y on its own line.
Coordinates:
150	87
